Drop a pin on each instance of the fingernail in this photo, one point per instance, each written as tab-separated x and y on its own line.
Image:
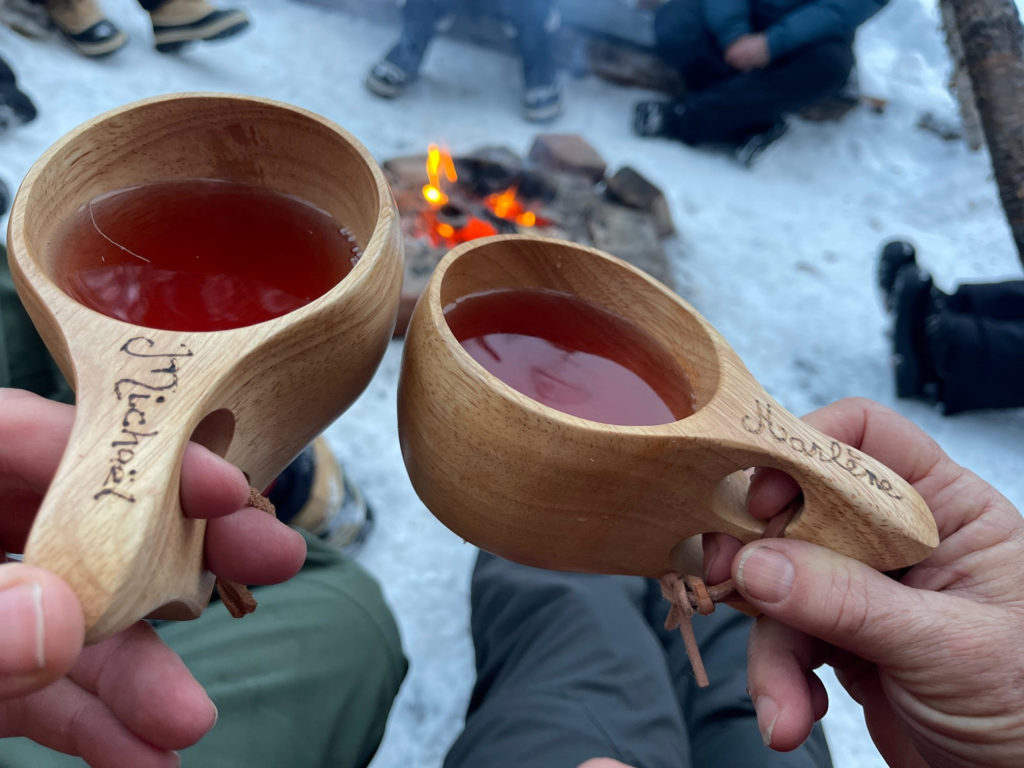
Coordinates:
22	634
765	574
177	755
767	714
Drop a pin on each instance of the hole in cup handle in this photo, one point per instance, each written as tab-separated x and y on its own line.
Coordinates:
852	503
728	503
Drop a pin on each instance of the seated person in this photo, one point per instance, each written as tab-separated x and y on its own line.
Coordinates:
746	64
535	21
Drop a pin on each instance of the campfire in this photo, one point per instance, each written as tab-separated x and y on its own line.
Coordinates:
455	214
559	190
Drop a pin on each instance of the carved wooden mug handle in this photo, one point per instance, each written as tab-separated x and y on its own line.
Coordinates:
852	503
111	523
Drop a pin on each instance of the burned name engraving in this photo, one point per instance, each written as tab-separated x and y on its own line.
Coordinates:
834	452
140	393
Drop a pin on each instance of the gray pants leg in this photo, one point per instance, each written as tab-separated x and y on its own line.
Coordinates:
575	666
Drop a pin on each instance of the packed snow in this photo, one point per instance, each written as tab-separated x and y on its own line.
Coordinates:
780	258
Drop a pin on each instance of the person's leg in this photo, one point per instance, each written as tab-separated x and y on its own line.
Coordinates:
720	719
734	109
683	40
305	681
567	670
537	23
979	361
419	25
964	350
1003	300
401	64
26	17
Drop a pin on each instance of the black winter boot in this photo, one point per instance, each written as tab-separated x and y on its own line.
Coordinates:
15	109
914	303
895	255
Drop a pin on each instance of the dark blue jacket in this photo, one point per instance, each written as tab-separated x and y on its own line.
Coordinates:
789	24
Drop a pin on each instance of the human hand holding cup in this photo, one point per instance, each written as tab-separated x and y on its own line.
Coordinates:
111	523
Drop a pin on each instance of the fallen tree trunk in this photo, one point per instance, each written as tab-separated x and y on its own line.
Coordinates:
991	34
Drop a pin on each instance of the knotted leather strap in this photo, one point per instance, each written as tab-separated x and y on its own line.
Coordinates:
688	594
236	597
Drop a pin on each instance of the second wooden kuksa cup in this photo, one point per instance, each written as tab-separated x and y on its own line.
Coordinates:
548	489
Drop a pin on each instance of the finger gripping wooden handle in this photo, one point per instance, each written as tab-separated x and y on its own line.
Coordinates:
852	503
111	523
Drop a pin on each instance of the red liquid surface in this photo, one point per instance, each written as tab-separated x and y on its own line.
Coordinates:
200	255
572	356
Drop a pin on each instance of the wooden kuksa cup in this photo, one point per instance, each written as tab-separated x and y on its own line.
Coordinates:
544	488
111	523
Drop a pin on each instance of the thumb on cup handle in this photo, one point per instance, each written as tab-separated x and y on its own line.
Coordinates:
834	598
41	629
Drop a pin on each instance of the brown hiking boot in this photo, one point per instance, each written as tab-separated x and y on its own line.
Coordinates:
313	493
178	22
84	26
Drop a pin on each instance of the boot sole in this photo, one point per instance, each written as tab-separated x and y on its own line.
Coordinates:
173	39
542	114
382	89
98	49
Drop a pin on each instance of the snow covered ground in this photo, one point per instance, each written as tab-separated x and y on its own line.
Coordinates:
779	258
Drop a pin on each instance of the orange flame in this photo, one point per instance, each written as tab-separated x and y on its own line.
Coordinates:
504	205
441	233
439	162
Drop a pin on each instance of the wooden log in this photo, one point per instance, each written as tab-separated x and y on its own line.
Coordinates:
960	81
992	34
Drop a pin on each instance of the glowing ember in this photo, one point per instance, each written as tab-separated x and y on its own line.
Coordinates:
443	234
504	205
438	162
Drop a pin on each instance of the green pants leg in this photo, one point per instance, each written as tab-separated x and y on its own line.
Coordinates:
306	681
25	362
